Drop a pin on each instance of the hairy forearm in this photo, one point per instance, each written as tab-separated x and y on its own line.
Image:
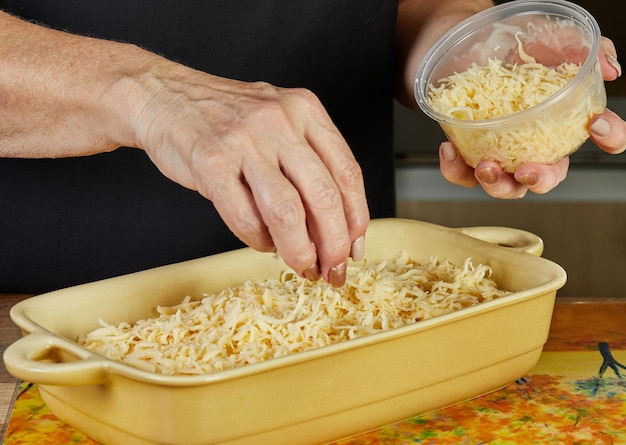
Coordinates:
61	94
420	24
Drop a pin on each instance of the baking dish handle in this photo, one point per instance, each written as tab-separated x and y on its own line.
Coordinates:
50	360
509	237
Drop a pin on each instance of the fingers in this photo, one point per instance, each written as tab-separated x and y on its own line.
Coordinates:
217	176
537	178
454	168
487	173
303	209
324	182
541	178
497	183
283	212
286	180
610	67
346	177
608	131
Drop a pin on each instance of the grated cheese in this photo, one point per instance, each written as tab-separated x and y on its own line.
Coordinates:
260	320
496	90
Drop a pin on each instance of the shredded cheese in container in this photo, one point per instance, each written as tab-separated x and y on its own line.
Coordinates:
260	320
496	90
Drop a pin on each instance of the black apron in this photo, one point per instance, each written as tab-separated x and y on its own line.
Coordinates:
74	220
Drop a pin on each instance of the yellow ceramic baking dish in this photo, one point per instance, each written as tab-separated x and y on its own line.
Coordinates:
311	397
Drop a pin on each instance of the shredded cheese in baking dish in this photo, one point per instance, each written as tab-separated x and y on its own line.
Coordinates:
260	320
496	90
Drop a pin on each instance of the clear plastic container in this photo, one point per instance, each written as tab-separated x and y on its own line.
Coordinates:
549	33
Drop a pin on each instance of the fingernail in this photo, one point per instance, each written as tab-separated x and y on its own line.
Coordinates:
337	275
357	251
600	127
448	152
312	273
487	175
528	179
615	64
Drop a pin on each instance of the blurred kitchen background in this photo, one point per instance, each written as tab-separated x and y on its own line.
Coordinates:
582	221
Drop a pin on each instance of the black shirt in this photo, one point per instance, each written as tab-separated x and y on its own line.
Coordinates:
68	221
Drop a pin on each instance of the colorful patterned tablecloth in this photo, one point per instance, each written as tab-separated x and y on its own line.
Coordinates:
575	395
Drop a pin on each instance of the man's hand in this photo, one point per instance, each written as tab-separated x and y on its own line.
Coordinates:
270	159
274	165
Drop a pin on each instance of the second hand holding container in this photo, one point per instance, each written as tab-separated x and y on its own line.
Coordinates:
511	111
